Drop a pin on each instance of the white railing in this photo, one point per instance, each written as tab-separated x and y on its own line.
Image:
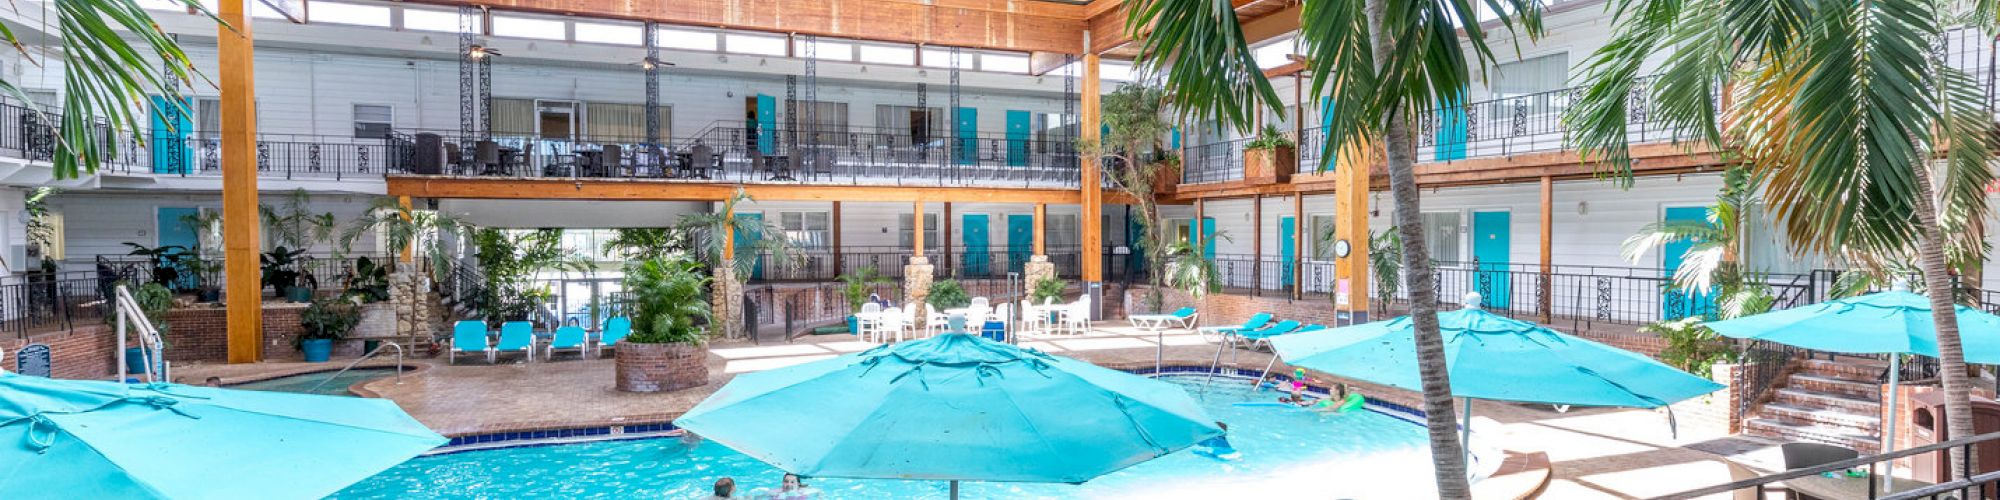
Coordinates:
132	318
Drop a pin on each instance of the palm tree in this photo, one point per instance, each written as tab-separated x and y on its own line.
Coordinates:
423	231
104	73
1868	144
646	243
710	231
1381	66
1714	245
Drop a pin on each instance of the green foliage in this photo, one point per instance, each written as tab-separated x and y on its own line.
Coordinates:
710	231
112	54
1385	259
1712	244
166	261
856	286
294	226
281	271
1047	288
1269	138
511	261
369	281
1190	272
643	243
154	300
327	318
948	294
423	231
1691	346
667	299
41	227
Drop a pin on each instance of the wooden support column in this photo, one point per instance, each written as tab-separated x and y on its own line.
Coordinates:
1299	229
1350	273
1257	241
1092	199
729	233
1548	262
239	185
837	263
409	247
1040	237
917	229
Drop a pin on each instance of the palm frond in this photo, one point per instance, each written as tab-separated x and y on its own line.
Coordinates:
105	74
1209	66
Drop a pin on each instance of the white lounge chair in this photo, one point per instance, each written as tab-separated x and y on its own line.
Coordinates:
1183	318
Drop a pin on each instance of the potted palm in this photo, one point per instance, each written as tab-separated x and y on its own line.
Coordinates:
665	351
1270	157
855	287
324	322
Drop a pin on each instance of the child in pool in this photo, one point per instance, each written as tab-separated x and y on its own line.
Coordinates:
793	488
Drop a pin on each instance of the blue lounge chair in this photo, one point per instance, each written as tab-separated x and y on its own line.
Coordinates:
615	330
517	336
1256	321
469	336
568	337
1263	335
1183	318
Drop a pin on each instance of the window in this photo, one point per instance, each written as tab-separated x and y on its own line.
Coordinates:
347	13
821	122
941	58
50	227
1442	236
1117	72
824	50
1061	231
373	121
1274	54
687	39
208	117
430	20
1003	63
901	55
528	27
47	100
1322	226
813	230
616	34
1529	76
753	44
906	234
1768	250
621	123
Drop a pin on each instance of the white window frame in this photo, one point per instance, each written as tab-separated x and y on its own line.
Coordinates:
503	23
739	43
637	33
360	15
355	111
453	17
666	38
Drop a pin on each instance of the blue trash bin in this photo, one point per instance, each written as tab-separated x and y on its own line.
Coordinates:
994	330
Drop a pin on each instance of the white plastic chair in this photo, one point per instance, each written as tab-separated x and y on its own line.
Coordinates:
934	321
891	325
980	305
1031	317
909	322
869	319
1076	317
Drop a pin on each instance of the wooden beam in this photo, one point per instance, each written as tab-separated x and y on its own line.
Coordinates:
448	187
1350	207
409	247
1091	195
240	238
1548	263
836	237
729	232
1648	159
1040	236
1014	25
917	226
1042	63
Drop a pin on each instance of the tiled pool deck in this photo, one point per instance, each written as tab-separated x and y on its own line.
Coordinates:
1592	453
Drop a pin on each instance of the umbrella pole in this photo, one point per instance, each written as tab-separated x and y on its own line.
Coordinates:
1889	431
954	489
1465	429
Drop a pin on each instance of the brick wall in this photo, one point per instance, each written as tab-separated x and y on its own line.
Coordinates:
82	353
201	333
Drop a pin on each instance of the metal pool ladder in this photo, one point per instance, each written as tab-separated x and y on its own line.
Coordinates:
365	357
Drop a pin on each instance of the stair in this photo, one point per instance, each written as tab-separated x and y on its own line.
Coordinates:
1833	402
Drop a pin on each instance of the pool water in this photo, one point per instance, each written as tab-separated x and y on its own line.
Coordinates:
1287	453
304	383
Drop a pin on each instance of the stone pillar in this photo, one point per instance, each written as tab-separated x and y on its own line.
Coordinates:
406	296
917	284
1037	269
726	300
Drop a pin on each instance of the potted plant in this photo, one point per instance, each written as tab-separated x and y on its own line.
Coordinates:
665	351
855	287
1042	291
1270	157
369	281
153	300
203	269
281	273
325	321
948	294
166	260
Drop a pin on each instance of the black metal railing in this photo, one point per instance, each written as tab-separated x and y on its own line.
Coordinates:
1213	162
821	264
36	303
1980	485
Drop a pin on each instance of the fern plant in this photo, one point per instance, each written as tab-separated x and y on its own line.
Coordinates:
668	298
948	294
1269	138
855	286
1049	288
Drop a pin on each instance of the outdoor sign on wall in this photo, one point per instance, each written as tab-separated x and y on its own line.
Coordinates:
32	360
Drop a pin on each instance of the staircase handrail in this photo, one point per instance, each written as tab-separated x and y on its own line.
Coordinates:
131	317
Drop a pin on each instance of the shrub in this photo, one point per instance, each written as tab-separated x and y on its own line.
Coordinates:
1691	346
856	286
948	294
1269	138
1046	289
667	297
329	319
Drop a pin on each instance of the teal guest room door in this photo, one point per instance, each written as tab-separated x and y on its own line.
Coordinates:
1491	242
174	232
977	258
1018	132
1676	303
168	139
1020	240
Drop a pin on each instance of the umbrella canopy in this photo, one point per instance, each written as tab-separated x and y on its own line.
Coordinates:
1496	358
1895	321
90	439
952	407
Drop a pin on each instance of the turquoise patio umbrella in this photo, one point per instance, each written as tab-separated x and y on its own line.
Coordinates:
1892	322
950	408
90	439
1496	358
